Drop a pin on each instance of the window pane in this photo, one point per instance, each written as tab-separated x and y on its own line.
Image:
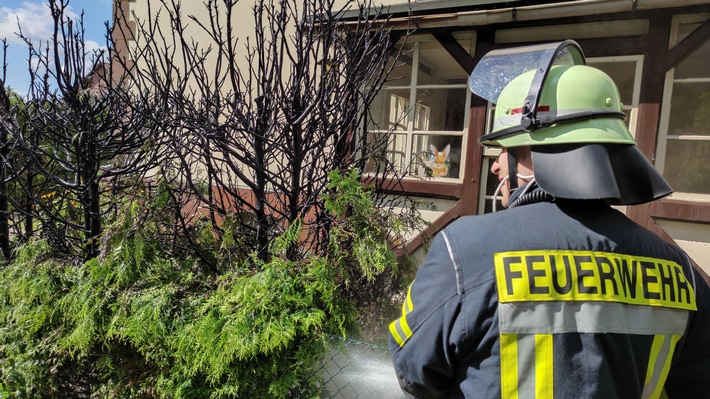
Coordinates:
435	108
436	66
492	180
685	29
488	207
440	109
389	109
696	64
436	156
686	166
386	152
401	74
689	109
490	186
622	73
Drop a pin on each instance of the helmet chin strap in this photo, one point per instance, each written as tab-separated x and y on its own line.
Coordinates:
512	169
502	182
512	177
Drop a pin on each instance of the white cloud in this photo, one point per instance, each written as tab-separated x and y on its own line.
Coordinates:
92	49
34	18
37	24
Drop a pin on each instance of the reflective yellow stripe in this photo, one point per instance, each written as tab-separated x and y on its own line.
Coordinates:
653	357
509	366
405	327
404	332
395	334
410	304
544	366
514	354
659	364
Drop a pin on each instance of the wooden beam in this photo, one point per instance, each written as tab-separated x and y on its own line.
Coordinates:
649	109
474	156
691	43
453	47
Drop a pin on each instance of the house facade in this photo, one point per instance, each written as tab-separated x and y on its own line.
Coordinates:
657	52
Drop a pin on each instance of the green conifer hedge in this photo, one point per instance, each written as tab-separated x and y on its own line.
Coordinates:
136	322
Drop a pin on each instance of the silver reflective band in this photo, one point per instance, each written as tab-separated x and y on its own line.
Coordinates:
526	367
589	317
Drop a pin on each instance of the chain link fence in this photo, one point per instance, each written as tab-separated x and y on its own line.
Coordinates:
357	369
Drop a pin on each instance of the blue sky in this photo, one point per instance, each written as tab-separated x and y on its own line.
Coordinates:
36	22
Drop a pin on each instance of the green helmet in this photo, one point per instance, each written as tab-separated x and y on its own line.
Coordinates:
570	115
578	104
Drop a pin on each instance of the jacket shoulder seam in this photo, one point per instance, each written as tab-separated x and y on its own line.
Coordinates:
457	268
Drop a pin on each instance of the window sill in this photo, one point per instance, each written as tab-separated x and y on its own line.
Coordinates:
682	209
429	188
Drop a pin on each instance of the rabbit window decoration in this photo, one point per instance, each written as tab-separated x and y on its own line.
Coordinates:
436	161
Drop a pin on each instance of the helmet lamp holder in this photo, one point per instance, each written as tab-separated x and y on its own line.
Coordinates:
568	49
498	67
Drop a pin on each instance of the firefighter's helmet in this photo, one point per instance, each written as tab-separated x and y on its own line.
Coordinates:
570	114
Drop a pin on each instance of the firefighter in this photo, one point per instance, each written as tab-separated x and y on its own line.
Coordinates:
560	295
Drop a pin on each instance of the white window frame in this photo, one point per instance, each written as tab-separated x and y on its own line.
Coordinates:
665	116
488	157
410	132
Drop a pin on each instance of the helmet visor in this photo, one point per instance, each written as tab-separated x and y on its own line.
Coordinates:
498	67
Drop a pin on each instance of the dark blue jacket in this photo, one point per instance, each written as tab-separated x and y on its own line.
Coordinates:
553	300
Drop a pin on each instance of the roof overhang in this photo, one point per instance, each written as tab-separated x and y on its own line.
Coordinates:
472	13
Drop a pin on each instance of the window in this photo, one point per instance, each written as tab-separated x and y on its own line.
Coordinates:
420	115
626	73
684	139
489	181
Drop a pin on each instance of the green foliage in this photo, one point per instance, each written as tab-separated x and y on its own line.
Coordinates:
27	294
139	322
363	242
360	236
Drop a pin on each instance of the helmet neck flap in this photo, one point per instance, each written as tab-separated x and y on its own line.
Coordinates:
617	173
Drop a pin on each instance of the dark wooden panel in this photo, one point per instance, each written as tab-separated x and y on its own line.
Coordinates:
696	212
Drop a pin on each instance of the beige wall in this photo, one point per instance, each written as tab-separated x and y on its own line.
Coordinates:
694	238
243	20
243	24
